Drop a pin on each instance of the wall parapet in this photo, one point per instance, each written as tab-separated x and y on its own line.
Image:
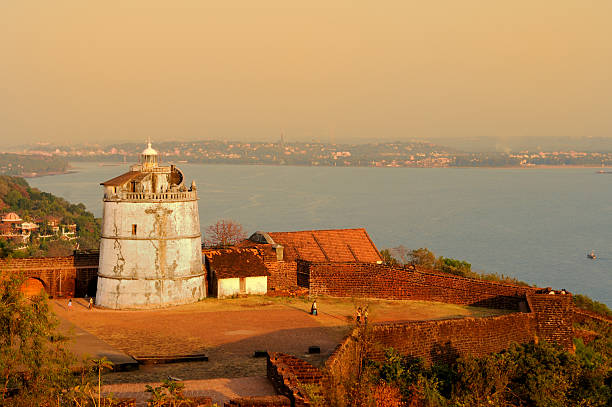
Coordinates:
437	341
367	280
150	196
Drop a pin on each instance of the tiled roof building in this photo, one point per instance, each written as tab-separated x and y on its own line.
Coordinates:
282	251
11	217
235	271
334	245
235	262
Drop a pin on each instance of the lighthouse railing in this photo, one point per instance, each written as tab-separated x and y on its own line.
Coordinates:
152	196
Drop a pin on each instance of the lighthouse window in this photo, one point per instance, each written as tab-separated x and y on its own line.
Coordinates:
134	230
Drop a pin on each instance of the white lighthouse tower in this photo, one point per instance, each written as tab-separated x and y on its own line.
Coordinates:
150	251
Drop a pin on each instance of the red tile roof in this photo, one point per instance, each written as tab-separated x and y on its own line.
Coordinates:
336	245
235	263
124	178
11	217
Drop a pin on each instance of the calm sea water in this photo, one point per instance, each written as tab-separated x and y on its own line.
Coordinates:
536	225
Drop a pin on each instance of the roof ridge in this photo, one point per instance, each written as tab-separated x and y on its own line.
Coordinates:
320	230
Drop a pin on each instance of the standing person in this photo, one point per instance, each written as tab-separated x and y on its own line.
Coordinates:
365	315
358	318
69	304
313	309
90	306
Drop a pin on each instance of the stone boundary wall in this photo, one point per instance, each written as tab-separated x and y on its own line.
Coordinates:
67	276
554	316
287	373
379	281
437	341
445	340
580	315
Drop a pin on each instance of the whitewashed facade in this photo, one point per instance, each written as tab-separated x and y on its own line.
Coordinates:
228	287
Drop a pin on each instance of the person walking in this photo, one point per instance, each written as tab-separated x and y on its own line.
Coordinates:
313	308
365	315
358	317
69	304
90	306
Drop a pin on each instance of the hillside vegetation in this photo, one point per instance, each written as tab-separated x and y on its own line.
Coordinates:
32	204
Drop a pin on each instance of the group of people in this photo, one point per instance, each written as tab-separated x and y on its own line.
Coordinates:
89	305
362	313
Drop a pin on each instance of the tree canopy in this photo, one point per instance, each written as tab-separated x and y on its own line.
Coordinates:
224	232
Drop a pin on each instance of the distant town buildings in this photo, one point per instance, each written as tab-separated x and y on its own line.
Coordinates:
13	228
389	154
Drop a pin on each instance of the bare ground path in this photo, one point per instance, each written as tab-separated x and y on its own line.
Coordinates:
219	390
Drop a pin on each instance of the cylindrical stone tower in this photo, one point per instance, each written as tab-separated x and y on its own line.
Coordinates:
150	251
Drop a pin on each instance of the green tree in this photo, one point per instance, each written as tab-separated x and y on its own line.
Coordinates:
454	266
423	257
388	258
33	359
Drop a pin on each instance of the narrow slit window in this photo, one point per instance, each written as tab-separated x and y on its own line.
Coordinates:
134	230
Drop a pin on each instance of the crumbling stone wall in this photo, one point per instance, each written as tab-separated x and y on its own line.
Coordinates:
287	373
67	276
259	401
378	281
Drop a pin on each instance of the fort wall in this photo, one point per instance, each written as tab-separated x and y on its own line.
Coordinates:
379	281
67	276
288	373
444	341
436	341
554	317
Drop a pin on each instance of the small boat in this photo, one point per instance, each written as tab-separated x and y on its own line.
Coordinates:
592	255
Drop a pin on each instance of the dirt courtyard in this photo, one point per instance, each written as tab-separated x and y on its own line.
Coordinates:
230	330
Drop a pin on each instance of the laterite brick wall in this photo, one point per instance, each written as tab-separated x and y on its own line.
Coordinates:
287	373
438	341
554	316
67	276
283	274
379	281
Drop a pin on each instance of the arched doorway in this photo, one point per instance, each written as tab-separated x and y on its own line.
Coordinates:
32	287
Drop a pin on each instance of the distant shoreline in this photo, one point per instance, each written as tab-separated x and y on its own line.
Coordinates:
72	170
45	174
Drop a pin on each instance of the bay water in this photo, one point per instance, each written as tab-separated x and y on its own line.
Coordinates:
533	224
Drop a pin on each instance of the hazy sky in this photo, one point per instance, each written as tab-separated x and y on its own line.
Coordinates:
330	70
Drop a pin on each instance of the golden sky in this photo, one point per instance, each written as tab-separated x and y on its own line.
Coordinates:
123	70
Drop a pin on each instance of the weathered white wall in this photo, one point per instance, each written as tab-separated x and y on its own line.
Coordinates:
228	287
257	285
231	286
161	265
